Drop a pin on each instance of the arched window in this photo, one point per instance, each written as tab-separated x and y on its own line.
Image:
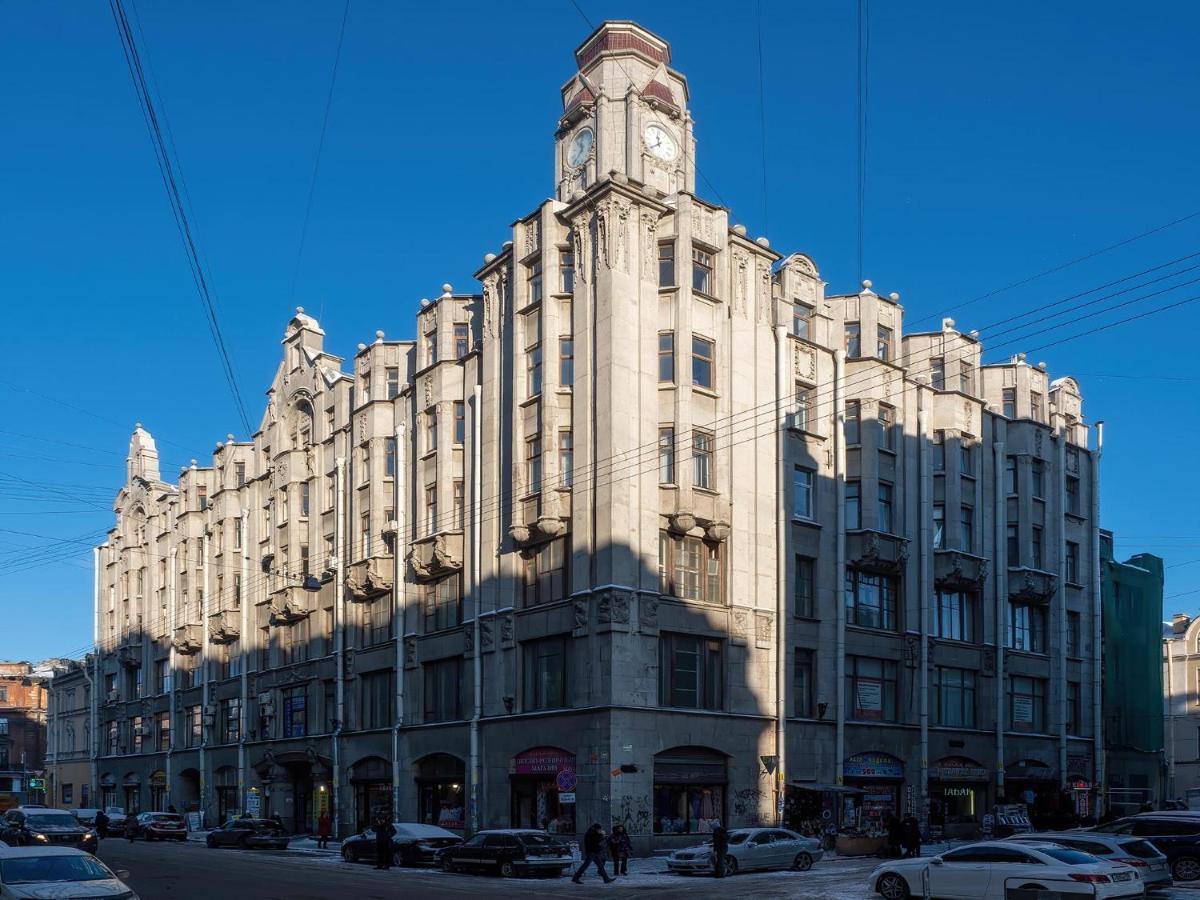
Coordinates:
302	423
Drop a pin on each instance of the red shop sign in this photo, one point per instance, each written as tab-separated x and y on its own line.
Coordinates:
541	761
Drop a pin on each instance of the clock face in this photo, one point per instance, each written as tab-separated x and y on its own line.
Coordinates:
660	143
581	146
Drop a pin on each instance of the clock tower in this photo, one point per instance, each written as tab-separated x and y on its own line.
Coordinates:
625	111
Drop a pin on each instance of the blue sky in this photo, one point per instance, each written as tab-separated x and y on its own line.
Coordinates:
1002	142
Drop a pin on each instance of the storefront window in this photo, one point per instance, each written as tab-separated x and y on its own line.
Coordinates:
441	797
689	790
879	776
537	801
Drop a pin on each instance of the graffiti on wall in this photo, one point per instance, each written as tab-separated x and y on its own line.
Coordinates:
747	805
634	814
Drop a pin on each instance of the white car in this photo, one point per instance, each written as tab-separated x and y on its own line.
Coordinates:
47	873
989	870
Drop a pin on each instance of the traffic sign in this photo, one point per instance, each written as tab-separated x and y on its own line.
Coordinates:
566	797
566	780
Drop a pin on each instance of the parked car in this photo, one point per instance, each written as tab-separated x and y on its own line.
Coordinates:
253	834
509	851
413	844
1176	836
158	826
24	826
58	872
1151	864
990	870
116	819
751	848
85	816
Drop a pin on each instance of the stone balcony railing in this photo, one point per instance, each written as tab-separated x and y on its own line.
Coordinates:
225	627
188	639
370	578
291	604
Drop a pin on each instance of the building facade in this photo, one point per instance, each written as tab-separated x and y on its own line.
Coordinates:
1181	707
651	529
22	733
70	754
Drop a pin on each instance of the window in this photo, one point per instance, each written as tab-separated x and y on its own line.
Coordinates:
954	697
883	344
1074	719
966	452
393	382
1036	543
803	505
546	573
1026	704
1013	548
887	431
802	315
802	683
295	712
68	794
666	356
545	670
566	457
803	411
135	732
202	496
938	446
293	642
443	690
702	272
1073	633
937	373
804	586
533	464
666	265
364	523
853	340
375	622
870	600
162	676
460	421
1035	406
885	507
459	506
1010	403
431	509
431	429
194	721
853	422
966	377
1072	491
871	685
566	271
966	530
666	455
566	361
534	281
853	504
703	357
462	340
239	473
1027	627
690	568
533	370
1010	476
1038	471
377	693
230	727
364	455
955	616
702	459
939	526
431	351
443	603
690	675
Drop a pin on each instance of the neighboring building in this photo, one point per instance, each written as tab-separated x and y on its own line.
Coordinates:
22	733
1181	677
680	538
71	778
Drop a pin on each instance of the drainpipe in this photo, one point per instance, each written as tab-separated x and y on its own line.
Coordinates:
476	526
172	620
94	681
1000	555
1061	662
207	729
243	638
339	639
925	511
1097	632
781	526
839	591
399	614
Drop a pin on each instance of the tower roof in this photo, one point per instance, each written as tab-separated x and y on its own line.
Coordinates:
621	38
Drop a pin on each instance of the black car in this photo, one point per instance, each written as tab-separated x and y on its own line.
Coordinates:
413	844
41	827
1176	836
157	826
509	851
254	834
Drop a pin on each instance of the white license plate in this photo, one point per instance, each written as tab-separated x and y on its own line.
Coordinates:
1122	876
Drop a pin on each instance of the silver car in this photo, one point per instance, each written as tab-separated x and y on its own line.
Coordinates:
751	848
40	873
1121	848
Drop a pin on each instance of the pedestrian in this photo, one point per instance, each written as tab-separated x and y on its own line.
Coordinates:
101	824
720	841
277	819
895	835
593	853
620	848
171	808
323	829
384	830
131	827
911	835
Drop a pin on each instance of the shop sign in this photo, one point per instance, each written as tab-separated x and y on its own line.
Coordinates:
872	765
868	699
541	761
566	796
958	768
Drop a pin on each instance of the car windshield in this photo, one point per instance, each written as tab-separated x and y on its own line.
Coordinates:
536	839
39	869
1070	857
51	820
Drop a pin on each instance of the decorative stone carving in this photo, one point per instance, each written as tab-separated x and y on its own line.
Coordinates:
581	614
739	622
648	611
533	236
613	607
717	531
682	522
580	226
506	630
989	661
763	629
487	640
490	302
520	534
649	245
804	361
912	651
427	390
410	652
764	292
1039	437
551	526
741	262
966	416
469	639
369	578
362	428
612	217
442	554
802	265
702	223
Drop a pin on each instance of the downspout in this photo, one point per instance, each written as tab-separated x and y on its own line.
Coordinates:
339	639
476	526
1061	495
925	511
399	613
1000	554
781	530
1097	630
243	637
839	591
94	681
210	718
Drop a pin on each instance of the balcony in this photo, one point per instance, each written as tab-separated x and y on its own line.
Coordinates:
876	551
1031	585
439	555
291	604
225	627
130	655
957	570
369	578
188	639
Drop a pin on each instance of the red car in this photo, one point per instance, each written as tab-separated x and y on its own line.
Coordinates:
159	826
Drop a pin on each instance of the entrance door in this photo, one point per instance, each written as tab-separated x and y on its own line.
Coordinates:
524	803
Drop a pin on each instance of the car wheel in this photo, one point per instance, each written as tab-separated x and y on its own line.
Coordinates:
1186	868
803	862
447	865
211	843
731	865
507	869
400	859
349	855
893	887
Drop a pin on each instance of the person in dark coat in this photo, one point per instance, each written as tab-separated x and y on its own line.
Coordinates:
895	836
323	828
384	831
620	848
911	835
720	849
101	824
593	853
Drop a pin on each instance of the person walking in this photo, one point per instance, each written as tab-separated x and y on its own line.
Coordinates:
384	830
911	832
593	853
323	829
895	836
101	824
720	841
620	848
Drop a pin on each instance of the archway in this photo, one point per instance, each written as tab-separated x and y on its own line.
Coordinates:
187	792
371	777
225	785
108	791
132	783
158	791
441	794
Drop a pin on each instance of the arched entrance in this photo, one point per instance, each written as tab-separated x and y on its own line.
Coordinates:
290	782
187	793
158	791
441	793
689	790
534	777
108	790
225	785
371	777
132	783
